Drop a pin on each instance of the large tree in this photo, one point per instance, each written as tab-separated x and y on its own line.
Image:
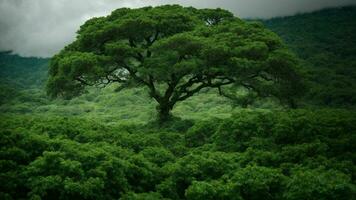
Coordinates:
175	52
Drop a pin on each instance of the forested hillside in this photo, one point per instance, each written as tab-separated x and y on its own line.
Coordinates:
20	74
326	41
106	143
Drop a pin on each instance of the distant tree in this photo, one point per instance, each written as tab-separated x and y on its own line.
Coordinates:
175	52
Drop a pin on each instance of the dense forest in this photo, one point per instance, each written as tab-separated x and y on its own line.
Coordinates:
325	40
106	143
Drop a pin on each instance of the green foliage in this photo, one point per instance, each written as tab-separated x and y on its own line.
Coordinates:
22	72
175	52
325	40
200	190
18	74
319	184
142	196
106	145
235	132
157	155
200	133
254	182
251	158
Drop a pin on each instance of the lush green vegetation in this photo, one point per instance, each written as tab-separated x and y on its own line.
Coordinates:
106	144
326	41
18	74
251	155
175	52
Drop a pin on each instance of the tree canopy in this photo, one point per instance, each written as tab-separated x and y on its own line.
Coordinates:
175	52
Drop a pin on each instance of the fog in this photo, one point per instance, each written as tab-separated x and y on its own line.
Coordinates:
42	27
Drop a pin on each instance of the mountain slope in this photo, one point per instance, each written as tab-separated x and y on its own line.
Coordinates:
22	72
326	40
18	74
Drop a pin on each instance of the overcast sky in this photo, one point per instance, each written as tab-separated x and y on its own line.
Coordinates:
42	27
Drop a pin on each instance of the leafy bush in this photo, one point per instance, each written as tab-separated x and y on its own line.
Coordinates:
319	184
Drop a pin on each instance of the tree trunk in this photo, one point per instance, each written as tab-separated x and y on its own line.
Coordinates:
164	112
292	104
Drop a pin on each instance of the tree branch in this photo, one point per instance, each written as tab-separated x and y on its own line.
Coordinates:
153	90
201	86
84	82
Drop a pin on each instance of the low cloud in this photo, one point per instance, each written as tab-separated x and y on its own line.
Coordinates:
42	27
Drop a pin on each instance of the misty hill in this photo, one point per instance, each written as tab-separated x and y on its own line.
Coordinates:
311	34
326	40
18	74
21	71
